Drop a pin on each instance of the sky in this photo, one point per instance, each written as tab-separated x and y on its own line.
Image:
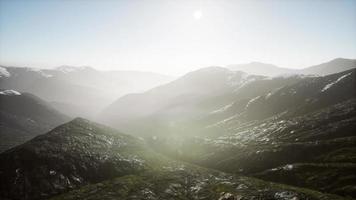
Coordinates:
175	36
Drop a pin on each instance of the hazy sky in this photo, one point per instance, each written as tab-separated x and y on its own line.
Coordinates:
175	36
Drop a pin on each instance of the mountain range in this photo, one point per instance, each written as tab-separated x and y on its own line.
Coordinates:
78	91
252	125
214	133
206	92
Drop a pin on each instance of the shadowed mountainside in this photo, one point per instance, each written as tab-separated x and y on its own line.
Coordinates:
24	116
71	155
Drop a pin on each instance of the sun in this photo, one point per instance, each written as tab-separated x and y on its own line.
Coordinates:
198	14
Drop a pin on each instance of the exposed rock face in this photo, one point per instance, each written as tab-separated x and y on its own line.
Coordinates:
229	196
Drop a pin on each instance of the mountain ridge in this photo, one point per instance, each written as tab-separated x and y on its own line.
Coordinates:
329	67
24	116
86	88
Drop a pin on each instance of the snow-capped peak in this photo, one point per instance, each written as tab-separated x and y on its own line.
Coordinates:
10	92
68	69
291	75
4	72
40	72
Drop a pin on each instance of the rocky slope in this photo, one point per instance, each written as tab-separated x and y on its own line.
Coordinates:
71	155
189	183
308	123
85	160
310	150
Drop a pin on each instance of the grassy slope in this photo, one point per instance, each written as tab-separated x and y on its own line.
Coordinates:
185	182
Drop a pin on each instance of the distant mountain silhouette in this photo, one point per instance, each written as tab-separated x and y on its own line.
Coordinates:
78	91
334	66
261	69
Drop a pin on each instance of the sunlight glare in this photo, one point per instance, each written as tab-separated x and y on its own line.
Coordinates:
198	14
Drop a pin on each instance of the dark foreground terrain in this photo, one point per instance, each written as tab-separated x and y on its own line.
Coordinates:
85	160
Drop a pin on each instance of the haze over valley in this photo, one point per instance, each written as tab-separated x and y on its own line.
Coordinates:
186	100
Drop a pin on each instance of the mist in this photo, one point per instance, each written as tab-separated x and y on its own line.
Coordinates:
186	100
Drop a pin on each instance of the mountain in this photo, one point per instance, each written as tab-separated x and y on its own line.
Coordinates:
71	155
4	72
261	69
306	95
174	106
334	66
73	90
199	84
331	67
252	127
24	116
286	135
190	104
86	160
180	98
213	133
314	151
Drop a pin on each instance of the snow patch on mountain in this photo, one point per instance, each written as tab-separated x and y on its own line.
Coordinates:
271	93
291	75
220	110
67	69
10	93
288	167
251	101
240	79
296	75
39	71
224	121
237	78
46	75
328	86
4	72
245	82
